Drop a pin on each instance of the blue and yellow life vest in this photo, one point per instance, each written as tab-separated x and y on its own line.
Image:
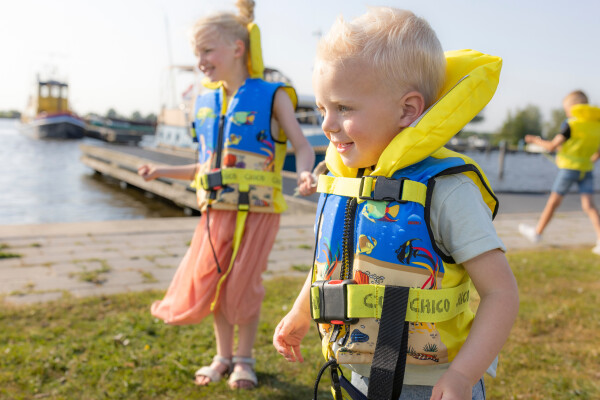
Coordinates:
237	147
375	245
584	141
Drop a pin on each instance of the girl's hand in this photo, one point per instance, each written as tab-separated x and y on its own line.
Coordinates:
148	172
307	183
289	334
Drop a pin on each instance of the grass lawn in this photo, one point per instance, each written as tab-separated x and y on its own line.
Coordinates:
111	348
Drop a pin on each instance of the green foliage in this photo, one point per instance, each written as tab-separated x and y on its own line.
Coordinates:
524	122
557	117
10	114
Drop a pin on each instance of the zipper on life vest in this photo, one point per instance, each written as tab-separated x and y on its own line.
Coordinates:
348	236
348	239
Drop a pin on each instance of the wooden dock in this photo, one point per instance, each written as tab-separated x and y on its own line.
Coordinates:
122	162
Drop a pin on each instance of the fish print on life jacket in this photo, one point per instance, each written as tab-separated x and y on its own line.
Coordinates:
247	142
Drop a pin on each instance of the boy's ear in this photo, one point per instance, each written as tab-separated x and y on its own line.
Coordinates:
412	105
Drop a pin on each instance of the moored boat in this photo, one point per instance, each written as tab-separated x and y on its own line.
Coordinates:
48	115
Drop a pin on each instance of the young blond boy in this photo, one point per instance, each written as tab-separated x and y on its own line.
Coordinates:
579	147
374	79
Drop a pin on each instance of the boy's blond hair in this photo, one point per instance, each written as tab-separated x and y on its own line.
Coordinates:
576	97
401	48
230	27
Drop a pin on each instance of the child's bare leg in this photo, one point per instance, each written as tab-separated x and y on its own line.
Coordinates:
587	204
246	338
224	336
551	205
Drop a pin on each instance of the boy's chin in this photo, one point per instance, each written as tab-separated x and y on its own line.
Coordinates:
355	164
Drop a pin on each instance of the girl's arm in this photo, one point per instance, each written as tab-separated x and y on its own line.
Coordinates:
183	172
495	316
283	111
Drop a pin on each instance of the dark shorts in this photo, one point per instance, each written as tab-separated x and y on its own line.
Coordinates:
567	177
415	392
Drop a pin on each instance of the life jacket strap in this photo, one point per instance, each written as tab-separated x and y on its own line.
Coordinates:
223	177
352	301
389	359
376	188
240	226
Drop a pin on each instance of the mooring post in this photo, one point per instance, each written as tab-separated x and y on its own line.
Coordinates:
501	155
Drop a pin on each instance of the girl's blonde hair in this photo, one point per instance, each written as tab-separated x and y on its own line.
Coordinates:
401	48
230	27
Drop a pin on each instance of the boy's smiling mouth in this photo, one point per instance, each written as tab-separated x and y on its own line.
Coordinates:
343	147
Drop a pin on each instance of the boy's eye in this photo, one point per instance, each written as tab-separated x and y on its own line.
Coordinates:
321	111
342	108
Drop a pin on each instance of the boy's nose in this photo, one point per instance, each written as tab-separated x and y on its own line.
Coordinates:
329	124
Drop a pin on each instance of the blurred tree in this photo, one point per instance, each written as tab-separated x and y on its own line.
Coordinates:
525	122
136	116
151	118
552	127
112	113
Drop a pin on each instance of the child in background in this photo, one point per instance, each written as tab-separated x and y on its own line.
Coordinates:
242	125
579	143
398	210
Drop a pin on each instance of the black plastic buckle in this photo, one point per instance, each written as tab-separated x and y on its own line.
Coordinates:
244	201
386	189
214	180
332	302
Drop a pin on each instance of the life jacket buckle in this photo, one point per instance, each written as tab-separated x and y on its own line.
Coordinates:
386	189
332	302
212	180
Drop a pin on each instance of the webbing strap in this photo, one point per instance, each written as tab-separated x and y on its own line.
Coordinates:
349	391
366	301
240	225
389	359
240	175
365	188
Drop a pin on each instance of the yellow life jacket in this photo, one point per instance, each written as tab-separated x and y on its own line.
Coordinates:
576	152
351	313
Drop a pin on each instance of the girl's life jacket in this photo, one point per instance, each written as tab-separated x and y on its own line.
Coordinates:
584	141
379	279
239	150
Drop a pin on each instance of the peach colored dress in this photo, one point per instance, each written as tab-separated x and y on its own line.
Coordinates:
193	287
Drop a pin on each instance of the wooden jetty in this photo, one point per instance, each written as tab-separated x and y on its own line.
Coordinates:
121	162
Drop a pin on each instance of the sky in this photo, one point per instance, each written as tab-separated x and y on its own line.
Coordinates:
116	53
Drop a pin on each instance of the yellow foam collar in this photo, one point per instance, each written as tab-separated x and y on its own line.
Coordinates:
471	80
586	112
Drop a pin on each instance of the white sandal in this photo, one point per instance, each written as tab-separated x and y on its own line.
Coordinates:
243	375
213	374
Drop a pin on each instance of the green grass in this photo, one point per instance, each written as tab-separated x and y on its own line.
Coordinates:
112	348
553	349
9	255
301	267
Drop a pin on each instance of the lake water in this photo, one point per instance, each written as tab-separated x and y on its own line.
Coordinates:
44	181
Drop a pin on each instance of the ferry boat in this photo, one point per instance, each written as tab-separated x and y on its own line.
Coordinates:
48	116
174	119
